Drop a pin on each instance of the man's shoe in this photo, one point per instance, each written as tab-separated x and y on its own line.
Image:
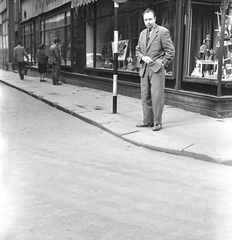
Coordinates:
157	127
57	83
145	125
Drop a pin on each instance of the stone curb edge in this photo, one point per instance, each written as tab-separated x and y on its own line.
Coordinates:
185	153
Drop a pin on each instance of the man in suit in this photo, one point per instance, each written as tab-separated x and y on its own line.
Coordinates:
56	61
19	54
155	50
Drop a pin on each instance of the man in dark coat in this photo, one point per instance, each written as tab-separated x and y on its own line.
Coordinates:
19	54
55	61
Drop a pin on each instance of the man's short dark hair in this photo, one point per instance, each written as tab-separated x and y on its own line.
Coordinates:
149	10
56	40
19	42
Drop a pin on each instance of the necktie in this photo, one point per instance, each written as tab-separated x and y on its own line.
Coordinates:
148	36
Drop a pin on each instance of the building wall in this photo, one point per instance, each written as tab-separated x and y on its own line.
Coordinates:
31	9
4	42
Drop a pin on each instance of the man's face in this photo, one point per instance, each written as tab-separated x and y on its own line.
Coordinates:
149	20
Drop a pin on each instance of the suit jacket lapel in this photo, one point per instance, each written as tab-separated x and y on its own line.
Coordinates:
153	36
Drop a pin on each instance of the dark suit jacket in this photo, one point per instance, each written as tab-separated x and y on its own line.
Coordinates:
55	54
160	48
19	53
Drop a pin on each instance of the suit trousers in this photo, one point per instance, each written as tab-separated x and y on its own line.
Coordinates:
56	72
152	95
21	69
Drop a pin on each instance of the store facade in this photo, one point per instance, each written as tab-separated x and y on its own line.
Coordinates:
200	77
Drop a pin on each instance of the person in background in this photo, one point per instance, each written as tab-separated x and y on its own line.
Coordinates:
55	61
19	54
155	50
42	60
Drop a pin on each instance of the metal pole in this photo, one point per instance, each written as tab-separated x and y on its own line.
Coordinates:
115	51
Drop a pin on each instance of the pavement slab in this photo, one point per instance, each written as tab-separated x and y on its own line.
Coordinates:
184	133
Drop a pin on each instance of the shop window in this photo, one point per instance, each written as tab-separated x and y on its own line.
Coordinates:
68	17
4	40
58	26
104	54
78	41
68	46
130	25
204	49
89	43
28	40
104	8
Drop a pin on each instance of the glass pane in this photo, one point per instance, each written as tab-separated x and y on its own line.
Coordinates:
60	33
4	42
68	17
49	37
4	28
31	28
104	54
89	43
61	18
7	46
203	57
48	23
28	45
54	20
42	25
27	29
32	48
105	7
23	30
68	43
78	43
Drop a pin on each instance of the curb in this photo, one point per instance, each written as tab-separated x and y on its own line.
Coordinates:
183	153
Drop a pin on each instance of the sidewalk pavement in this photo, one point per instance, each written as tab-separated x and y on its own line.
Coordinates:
184	133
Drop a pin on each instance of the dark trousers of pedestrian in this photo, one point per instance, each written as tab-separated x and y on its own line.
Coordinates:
152	95
21	69
56	72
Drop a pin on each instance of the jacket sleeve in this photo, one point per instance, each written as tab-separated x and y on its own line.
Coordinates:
168	47
57	54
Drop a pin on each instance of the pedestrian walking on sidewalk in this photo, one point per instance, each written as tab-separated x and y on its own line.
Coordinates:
55	61
42	60
19	54
155	50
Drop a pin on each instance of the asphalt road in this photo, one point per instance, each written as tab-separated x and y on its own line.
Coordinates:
62	178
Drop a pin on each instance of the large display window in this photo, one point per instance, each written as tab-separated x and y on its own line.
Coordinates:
78	42
28	40
4	48
204	51
99	43
58	26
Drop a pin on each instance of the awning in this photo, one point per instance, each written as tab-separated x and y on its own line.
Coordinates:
76	3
